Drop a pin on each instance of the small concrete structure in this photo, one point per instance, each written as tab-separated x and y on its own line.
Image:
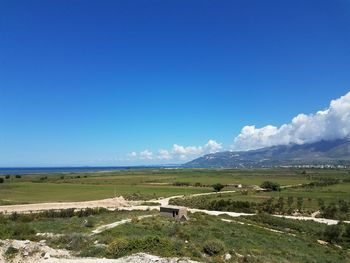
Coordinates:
234	186
177	212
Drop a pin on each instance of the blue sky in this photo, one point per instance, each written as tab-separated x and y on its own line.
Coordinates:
89	82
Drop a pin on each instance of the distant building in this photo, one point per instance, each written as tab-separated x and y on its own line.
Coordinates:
234	186
177	212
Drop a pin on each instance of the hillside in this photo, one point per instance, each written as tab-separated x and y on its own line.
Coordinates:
335	152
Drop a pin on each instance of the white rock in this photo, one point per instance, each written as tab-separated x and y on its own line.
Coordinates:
228	256
47	255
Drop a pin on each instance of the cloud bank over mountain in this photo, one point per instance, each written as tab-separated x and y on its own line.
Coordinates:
178	152
330	124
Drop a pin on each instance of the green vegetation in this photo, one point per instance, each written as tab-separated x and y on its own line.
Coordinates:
11	252
218	187
25	226
213	247
207	238
270	186
152	183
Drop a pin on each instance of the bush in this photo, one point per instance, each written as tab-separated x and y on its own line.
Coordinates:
218	187
11	252
74	241
22	231
119	247
181	184
1	180
333	233
150	244
213	247
90	222
18	176
270	186
7	176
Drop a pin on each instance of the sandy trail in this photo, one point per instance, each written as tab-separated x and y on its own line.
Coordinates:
110	203
100	229
120	203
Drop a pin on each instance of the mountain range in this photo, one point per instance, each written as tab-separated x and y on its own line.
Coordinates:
335	152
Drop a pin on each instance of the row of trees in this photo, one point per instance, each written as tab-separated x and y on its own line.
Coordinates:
2	179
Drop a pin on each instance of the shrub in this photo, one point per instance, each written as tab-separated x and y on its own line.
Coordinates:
213	247
90	222
181	184
118	247
11	252
74	241
14	216
333	233
22	231
218	187
18	176
270	186
7	176
1	180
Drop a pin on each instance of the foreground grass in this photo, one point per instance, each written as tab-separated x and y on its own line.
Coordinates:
26	226
246	243
204	238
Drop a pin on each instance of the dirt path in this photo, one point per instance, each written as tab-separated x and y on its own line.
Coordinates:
100	229
120	203
110	203
165	201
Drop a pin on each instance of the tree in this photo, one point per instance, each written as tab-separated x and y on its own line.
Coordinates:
300	202
1	180
218	187
7	176
280	204
321	203
270	186
290	201
333	233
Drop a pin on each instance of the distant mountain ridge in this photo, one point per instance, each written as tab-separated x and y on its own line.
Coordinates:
336	152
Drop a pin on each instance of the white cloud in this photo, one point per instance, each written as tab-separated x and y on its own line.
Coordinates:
146	155
133	154
178	152
164	155
190	152
212	147
332	123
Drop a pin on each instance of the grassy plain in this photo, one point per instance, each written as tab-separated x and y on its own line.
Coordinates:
149	183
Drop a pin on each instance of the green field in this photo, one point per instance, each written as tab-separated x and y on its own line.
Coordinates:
150	183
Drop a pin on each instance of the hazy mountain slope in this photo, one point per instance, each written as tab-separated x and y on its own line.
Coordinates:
322	152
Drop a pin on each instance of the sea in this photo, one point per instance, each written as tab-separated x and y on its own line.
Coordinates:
40	170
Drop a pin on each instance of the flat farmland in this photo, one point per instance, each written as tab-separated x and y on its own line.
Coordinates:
153	183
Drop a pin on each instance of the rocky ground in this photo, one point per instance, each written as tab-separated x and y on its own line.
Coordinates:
18	251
